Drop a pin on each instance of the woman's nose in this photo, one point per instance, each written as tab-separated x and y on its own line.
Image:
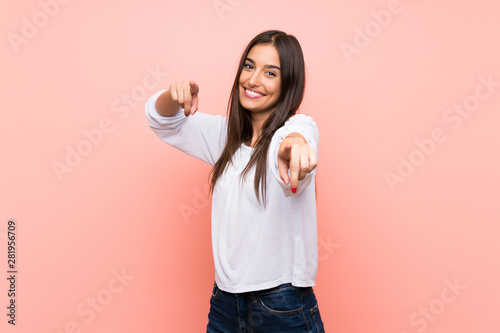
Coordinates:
254	79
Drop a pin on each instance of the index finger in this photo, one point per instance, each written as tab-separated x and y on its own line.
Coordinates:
294	168
283	165
187	99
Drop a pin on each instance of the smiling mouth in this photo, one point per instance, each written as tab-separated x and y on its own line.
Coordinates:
252	94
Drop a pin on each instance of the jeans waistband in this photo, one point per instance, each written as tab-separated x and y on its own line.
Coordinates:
258	292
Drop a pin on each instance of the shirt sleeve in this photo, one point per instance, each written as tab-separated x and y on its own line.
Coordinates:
304	125
200	135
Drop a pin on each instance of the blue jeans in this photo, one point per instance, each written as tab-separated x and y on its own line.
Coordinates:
281	309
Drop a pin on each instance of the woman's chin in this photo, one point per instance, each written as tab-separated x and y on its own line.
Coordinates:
249	106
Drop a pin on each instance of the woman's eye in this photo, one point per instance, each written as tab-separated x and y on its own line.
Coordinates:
271	73
249	66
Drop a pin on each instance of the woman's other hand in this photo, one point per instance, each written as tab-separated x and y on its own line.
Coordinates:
185	94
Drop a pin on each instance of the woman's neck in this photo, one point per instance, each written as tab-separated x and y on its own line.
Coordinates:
257	124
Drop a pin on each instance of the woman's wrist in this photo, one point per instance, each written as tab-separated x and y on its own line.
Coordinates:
294	136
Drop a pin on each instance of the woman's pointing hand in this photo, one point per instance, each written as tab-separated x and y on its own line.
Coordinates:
296	155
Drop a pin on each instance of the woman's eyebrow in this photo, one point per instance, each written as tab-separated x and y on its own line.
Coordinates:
267	66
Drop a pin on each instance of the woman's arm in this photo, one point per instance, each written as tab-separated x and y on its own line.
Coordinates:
201	135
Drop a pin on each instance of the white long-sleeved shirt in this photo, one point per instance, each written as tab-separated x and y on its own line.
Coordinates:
254	248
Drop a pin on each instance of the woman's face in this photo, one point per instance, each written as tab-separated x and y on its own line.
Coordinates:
260	79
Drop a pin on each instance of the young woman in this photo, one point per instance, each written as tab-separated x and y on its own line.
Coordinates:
264	159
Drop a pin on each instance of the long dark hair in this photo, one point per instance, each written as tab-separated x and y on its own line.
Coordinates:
240	128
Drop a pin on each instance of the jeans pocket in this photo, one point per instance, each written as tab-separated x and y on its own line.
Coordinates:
282	301
316	316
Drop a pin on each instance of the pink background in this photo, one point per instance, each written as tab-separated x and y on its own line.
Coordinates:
389	255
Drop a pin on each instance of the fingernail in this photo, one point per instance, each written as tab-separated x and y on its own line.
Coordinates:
186	114
294	190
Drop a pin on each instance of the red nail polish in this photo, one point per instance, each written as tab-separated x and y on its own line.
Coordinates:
294	190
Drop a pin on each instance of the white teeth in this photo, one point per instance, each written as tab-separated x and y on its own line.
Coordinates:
252	93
